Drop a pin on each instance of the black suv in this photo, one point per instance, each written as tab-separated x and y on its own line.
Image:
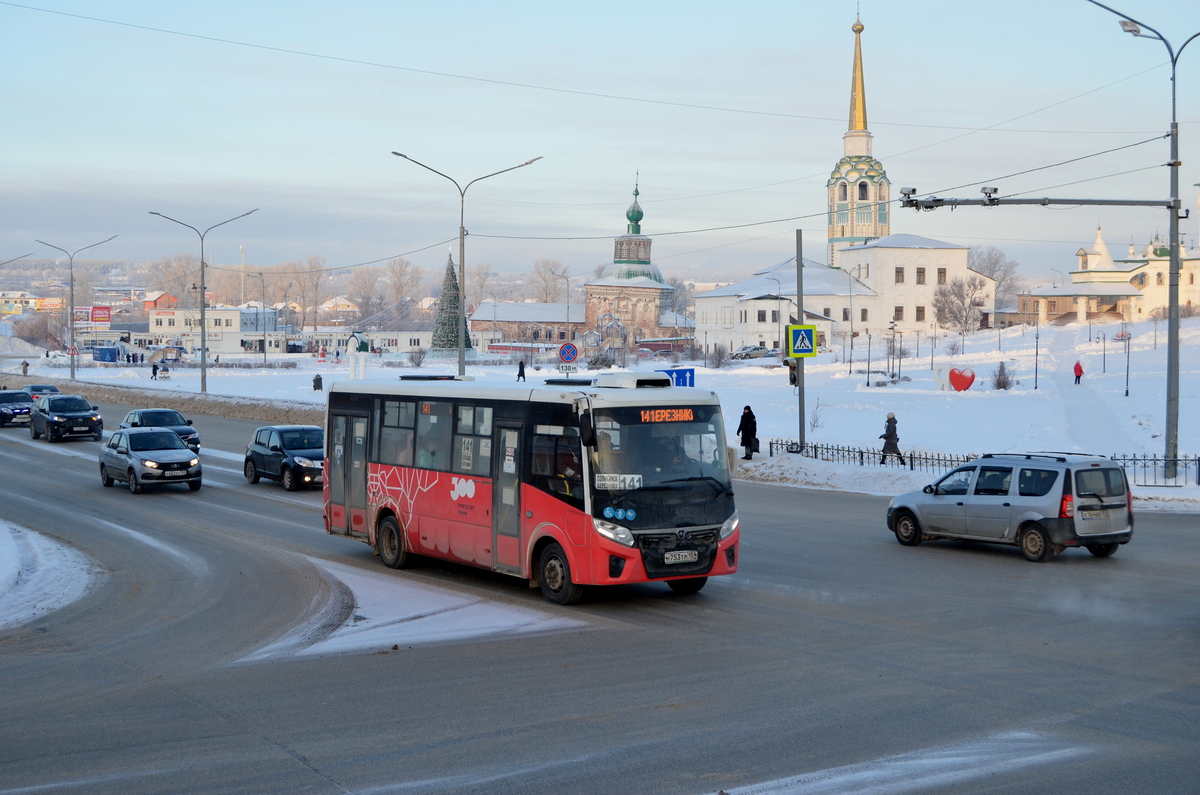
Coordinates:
164	418
291	454
61	416
15	406
33	390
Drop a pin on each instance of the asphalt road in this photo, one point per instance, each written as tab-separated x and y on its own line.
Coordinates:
836	661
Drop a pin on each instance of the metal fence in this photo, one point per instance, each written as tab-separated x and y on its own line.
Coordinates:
1151	470
1142	470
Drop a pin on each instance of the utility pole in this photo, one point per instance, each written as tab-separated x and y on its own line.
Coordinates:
800	320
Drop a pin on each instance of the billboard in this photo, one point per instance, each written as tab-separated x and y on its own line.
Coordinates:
50	304
101	314
94	317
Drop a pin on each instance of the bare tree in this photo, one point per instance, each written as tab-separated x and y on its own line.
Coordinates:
365	285
403	279
958	303
312	283
417	356
174	275
479	277
992	262
683	298
718	357
598	271
546	280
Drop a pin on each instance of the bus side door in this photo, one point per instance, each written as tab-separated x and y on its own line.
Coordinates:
348	474
506	496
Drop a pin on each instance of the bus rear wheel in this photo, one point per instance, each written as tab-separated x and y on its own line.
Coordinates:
691	585
391	545
554	577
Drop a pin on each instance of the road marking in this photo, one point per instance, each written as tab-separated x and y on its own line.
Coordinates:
940	767
391	610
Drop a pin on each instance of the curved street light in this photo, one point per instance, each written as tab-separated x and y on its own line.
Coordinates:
1134	27
462	235
203	325
71	315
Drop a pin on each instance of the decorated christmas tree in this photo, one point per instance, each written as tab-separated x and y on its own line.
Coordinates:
445	329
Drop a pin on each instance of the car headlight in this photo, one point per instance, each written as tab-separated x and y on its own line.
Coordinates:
5	410
56	418
614	532
151	464
306	462
193	462
730	525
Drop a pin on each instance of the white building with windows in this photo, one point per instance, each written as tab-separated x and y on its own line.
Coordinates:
230	329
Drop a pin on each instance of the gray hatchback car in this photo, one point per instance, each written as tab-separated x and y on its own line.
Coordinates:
1040	502
142	457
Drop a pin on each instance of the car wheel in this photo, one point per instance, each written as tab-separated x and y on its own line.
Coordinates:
135	487
391	545
98	437
251	472
194	485
688	586
1035	544
289	479
907	529
1103	550
33	434
105	478
50	437
554	577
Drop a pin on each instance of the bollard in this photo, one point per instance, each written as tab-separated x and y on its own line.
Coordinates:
318	386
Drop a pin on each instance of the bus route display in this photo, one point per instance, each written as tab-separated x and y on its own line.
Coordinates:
668	415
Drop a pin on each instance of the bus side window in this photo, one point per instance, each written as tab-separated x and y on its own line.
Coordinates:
395	422
434	433
557	468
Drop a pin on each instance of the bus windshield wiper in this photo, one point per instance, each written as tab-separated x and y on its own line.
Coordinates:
720	486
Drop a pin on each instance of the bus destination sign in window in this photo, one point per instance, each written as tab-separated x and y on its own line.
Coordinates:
668	415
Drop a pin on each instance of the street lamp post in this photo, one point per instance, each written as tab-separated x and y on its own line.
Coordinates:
203	290
1103	355
262	313
1134	27
71	311
567	278
868	360
462	248
778	312
1128	340
1036	353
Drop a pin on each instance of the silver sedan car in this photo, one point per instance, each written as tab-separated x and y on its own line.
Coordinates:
142	457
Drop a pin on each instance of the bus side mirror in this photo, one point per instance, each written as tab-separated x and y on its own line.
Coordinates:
587	429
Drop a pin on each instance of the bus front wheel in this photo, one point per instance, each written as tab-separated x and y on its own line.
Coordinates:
691	585
554	577
391	545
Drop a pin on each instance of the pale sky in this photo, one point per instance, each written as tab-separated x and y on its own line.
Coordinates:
105	122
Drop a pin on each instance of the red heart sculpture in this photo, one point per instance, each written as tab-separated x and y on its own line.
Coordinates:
961	380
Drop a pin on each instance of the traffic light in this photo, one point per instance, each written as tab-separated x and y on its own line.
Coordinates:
793	368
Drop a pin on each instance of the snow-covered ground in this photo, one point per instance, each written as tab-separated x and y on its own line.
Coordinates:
37	575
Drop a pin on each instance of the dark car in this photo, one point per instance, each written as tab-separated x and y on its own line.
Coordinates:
291	454
164	418
34	390
63	416
143	457
15	406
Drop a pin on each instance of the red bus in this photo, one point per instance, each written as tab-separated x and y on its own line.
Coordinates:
575	483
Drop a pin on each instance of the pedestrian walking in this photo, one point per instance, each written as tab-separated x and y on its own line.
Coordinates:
748	430
1078	371
521	370
891	441
154	371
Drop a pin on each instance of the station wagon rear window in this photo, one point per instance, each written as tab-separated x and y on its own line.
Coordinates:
1103	483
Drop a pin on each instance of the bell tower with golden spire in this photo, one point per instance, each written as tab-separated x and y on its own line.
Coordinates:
858	187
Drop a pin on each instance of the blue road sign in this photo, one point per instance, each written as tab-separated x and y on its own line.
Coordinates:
568	352
683	376
801	341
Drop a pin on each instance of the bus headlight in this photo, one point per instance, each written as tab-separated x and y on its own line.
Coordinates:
614	532
730	525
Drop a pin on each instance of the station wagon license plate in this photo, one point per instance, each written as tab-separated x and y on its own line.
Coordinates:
178	473
1091	514
681	556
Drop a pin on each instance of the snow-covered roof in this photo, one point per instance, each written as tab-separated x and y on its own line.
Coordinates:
819	279
639	281
1102	289
530	313
905	241
671	319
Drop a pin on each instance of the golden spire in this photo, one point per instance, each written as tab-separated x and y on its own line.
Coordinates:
858	93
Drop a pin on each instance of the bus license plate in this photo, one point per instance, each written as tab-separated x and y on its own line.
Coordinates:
178	473
681	556
1090	514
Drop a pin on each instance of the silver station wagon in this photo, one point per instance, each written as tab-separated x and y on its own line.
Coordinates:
1040	502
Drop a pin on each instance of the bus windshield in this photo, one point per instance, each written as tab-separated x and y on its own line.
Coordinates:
660	467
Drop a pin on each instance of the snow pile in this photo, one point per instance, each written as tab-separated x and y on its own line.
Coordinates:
809	473
15	346
37	575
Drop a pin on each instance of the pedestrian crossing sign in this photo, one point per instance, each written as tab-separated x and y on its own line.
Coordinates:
801	341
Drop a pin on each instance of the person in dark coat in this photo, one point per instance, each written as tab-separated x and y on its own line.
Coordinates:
1078	371
154	371
521	370
891	441
748	430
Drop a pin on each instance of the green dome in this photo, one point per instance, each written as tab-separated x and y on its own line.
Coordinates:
633	270
634	213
